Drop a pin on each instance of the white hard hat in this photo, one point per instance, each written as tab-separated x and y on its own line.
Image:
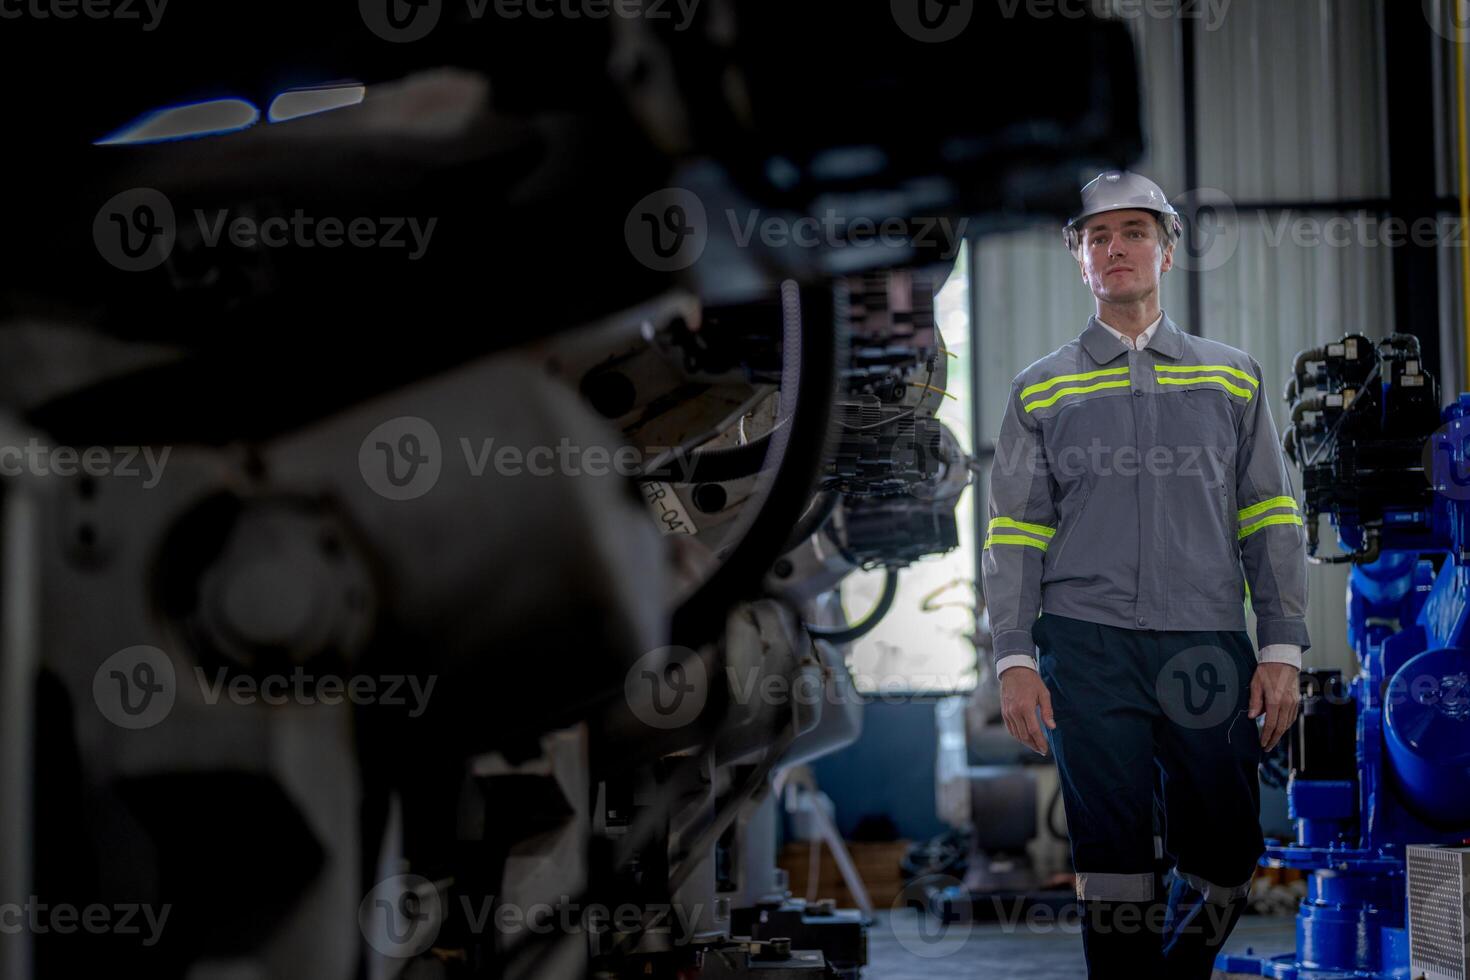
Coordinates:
1119	190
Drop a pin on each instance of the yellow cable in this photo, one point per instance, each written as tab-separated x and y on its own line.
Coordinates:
938	391
1464	202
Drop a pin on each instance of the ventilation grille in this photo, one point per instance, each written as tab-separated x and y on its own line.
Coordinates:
1438	896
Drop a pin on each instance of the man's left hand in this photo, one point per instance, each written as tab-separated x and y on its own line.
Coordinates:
1275	692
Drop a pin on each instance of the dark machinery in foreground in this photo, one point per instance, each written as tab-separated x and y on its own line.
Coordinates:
390	672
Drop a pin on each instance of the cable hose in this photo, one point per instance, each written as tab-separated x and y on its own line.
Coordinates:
809	354
717	465
856	631
814	519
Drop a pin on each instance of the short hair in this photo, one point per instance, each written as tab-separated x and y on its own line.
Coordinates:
1166	230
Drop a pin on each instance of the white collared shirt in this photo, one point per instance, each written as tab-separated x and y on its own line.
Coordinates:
1143	338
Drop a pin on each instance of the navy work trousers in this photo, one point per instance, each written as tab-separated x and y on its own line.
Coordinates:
1157	758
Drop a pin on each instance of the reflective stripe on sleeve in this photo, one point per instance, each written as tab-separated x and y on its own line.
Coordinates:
1026	540
1250	529
1041	529
1271	503
1020	539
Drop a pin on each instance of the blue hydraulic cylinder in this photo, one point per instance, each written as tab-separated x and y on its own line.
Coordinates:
1427	731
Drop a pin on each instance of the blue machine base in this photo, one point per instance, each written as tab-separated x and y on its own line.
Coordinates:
1346	926
1283	966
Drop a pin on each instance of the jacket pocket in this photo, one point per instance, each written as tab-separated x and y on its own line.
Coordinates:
1068	530
1205	566
1202	419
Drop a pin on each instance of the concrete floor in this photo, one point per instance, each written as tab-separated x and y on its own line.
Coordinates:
900	947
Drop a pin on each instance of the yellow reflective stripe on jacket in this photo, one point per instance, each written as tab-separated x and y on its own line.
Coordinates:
1013	539
1267	522
1030	390
1223	368
1040	529
1211	378
1078	391
1270	504
1022	539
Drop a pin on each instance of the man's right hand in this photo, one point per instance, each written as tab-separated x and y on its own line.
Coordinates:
1021	693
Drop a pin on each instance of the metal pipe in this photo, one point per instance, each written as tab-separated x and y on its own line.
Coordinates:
20	655
1312	403
1303	357
752	788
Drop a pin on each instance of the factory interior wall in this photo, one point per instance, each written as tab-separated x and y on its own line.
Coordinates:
1284	102
889	771
1451	268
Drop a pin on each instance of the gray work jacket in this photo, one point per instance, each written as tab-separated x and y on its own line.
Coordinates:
1131	488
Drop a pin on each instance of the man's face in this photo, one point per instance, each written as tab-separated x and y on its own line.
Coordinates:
1123	256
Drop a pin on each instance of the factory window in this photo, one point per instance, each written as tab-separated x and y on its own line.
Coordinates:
924	643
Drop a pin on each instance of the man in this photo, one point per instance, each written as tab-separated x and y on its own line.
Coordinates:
1137	475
